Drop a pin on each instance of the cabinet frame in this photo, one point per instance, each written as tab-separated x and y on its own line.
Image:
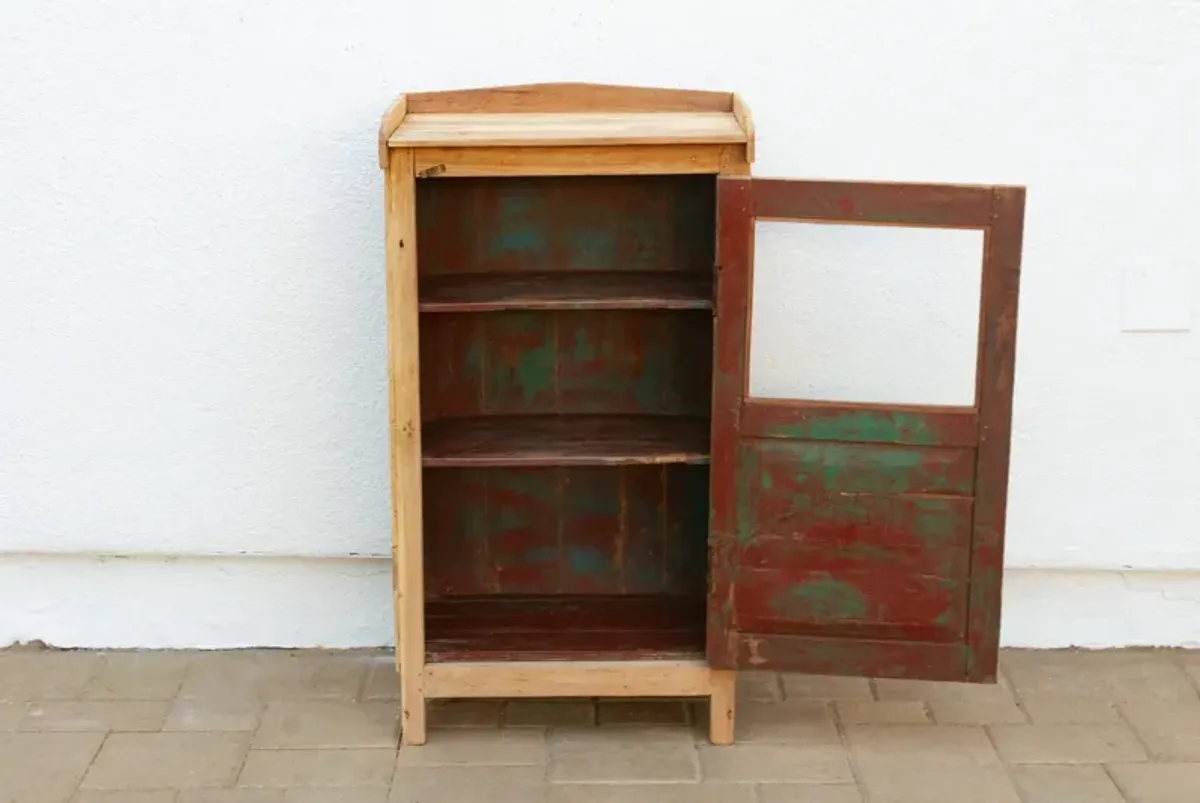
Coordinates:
597	130
403	166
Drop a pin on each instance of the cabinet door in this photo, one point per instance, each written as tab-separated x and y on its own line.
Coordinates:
861	538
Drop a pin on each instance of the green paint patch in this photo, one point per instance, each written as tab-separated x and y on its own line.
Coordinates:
824	598
591	249
747	468
529	376
873	552
874	427
588	562
944	618
518	230
583	350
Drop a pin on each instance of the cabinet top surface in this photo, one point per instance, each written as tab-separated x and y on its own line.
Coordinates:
567	128
551	115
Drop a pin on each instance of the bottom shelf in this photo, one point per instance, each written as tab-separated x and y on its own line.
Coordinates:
545	628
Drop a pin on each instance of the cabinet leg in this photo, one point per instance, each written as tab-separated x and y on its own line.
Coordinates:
412	713
721	707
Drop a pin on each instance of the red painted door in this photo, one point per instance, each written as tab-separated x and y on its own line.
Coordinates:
860	539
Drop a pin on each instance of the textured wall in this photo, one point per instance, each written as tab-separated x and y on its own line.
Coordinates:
191	271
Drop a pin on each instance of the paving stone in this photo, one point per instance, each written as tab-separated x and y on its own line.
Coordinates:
231	796
933	748
482	784
623	755
930	691
901	784
1066	744
463	713
549	713
1136	677
11	715
794	721
478	747
274	675
759	687
809	793
1116	675
1061	709
166	760
328	724
825	687
140	675
318	768
1158	783
643	712
875	712
976	712
1170	730
775	763
48	675
44	767
382	681
125	796
656	793
1065	784
360	794
188	714
88	715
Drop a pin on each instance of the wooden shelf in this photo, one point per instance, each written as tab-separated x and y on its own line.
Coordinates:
565	440
497	628
566	291
567	128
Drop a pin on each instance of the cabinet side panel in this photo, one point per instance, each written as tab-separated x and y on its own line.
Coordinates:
405	436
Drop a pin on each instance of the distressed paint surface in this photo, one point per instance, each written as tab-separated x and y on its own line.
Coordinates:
861	468
857	657
864	424
564	627
865	603
531	310
507	363
553	224
620	530
860	539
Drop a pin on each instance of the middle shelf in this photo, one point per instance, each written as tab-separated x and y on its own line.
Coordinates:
565	440
566	291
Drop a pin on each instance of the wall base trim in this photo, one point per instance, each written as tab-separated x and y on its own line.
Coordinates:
212	603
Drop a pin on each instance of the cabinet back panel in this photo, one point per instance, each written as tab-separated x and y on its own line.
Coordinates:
604	530
551	224
507	363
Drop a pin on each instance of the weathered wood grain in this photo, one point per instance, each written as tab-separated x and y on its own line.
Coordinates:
859	423
865	603
579	440
853	657
734	267
864	468
579	291
544	362
562	626
860	538
835	531
998	341
939	205
625	530
563	225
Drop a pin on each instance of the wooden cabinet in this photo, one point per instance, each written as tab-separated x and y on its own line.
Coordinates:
588	501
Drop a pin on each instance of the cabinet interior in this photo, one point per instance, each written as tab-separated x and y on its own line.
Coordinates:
566	340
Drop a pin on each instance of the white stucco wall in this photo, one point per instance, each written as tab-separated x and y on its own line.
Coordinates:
192	379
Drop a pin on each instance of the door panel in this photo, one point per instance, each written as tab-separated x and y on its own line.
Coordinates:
860	539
